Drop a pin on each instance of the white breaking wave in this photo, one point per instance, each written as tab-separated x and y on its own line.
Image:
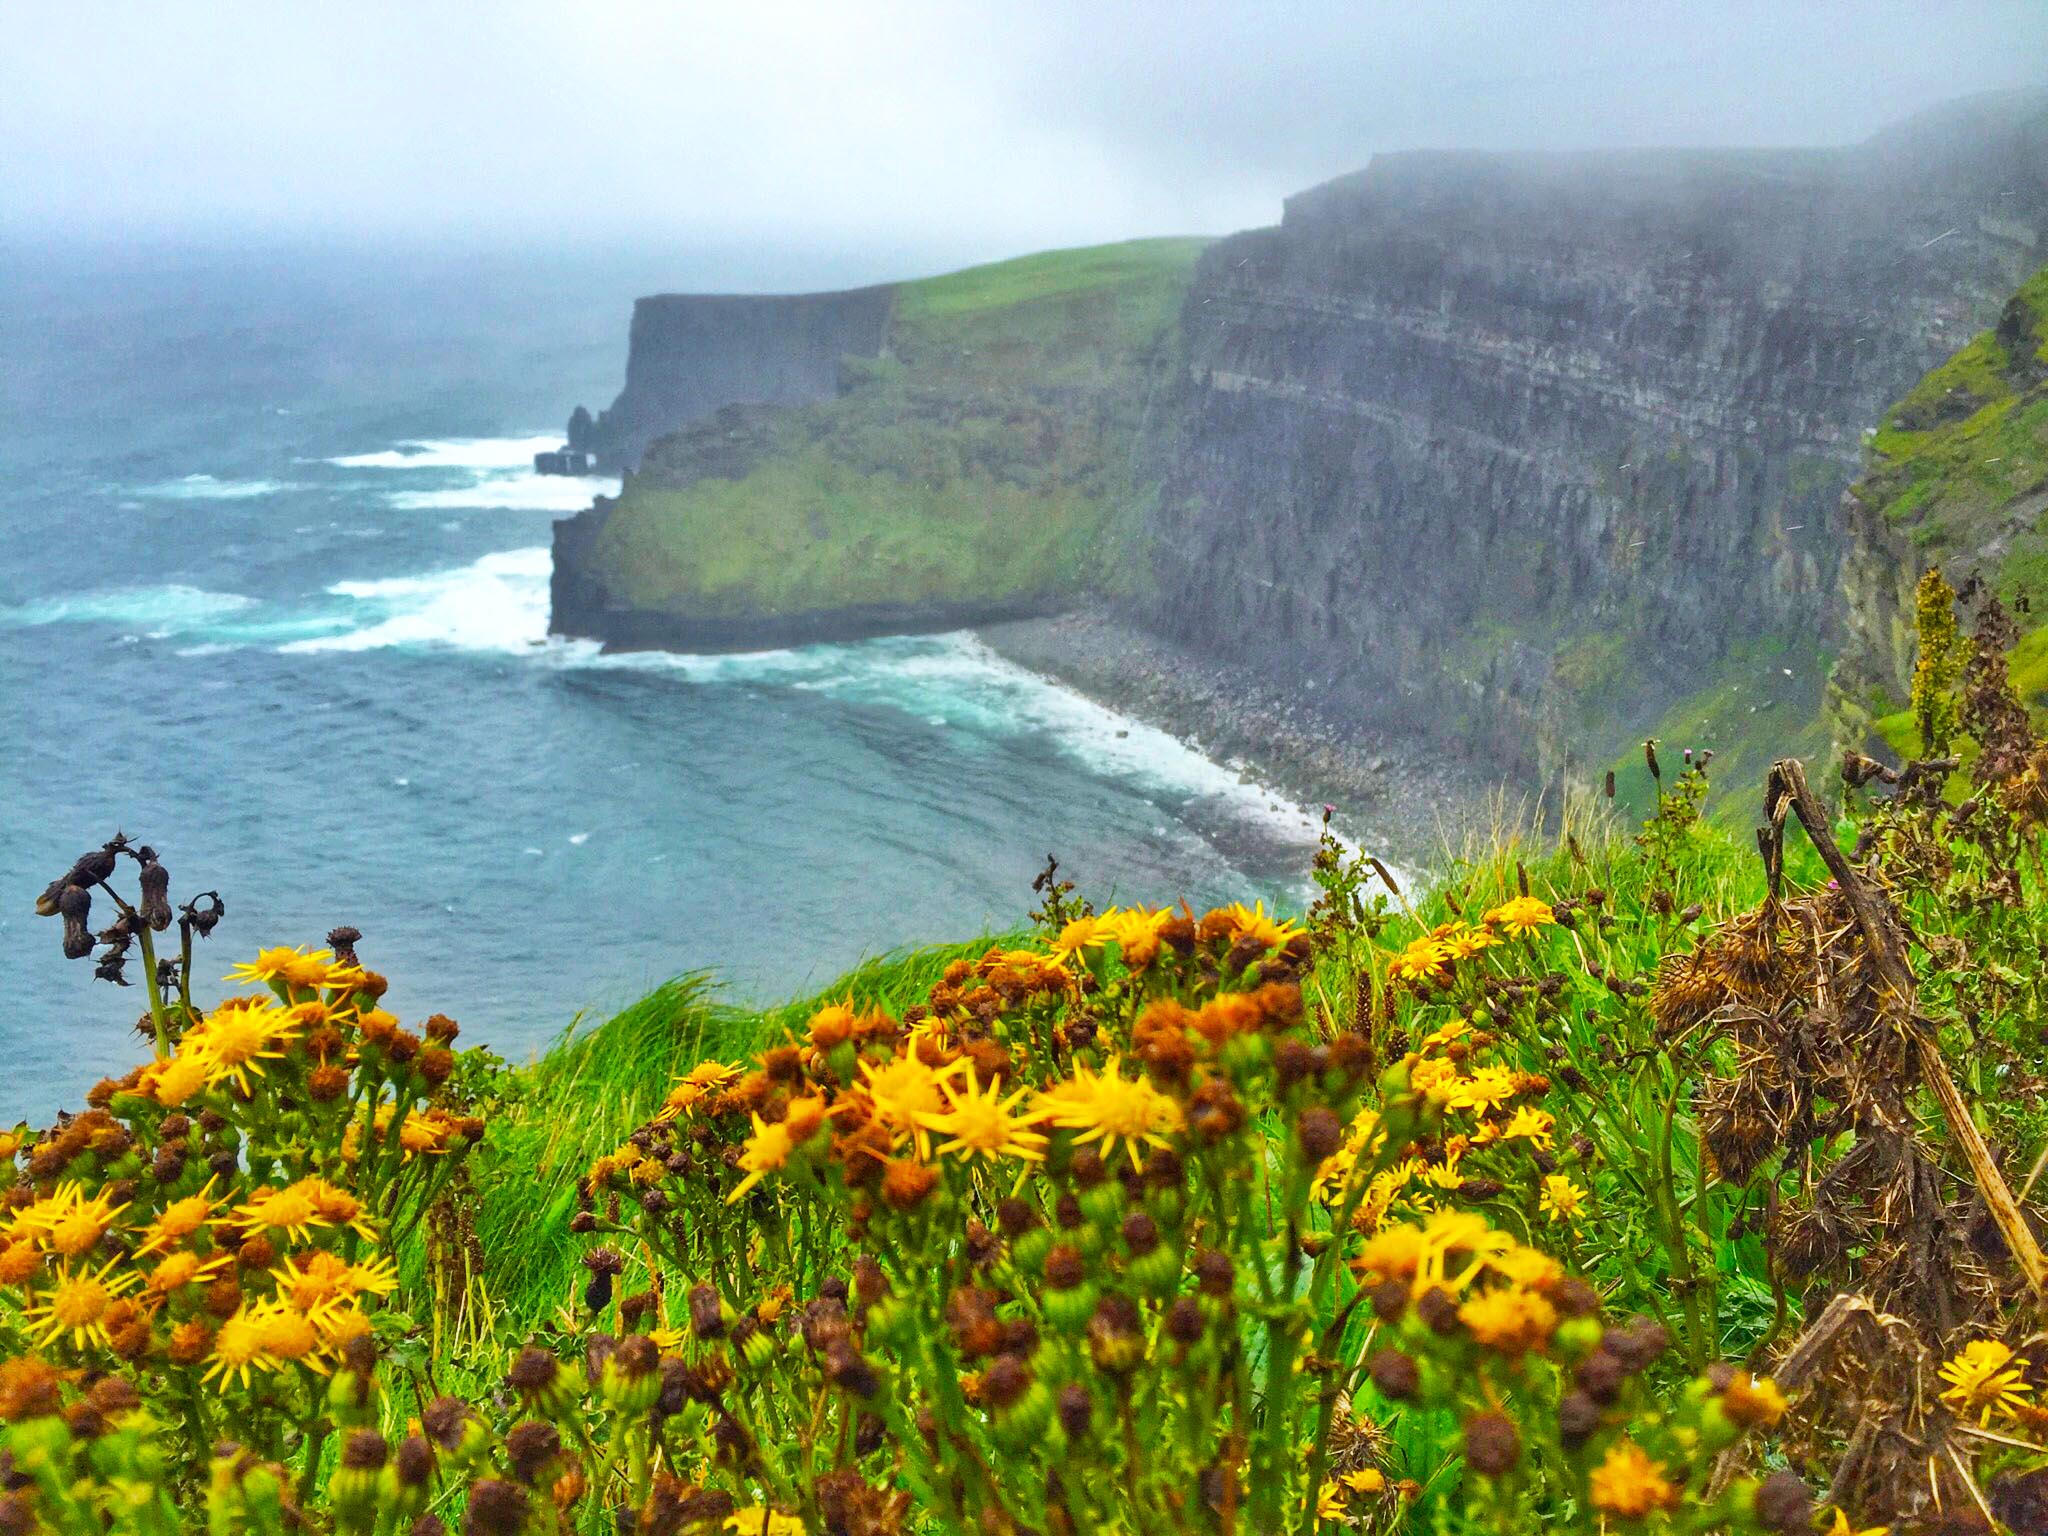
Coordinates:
207	488
498	470
480	453
500	603
164	610
514	493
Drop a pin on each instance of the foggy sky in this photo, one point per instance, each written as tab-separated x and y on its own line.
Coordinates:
961	127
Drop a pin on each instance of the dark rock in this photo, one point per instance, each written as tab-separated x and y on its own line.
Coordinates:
1495	445
691	353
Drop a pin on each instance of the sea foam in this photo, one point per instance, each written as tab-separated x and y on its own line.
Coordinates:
489	472
162	610
479	453
207	488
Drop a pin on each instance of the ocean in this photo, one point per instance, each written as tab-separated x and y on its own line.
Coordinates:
274	600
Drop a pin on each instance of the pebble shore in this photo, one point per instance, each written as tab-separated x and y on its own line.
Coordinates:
1398	796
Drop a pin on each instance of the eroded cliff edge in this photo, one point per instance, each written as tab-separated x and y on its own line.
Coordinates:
690	353
981	456
1546	453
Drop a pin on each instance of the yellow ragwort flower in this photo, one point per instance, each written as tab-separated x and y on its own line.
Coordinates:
1329	1502
235	1042
1629	1484
758	1520
980	1123
1521	916
1108	1108
1081	933
1251	922
904	1091
1509	1319
76	1305
298	969
1425	960
173	1082
701	1081
1985	1378
1562	1200
291	1210
178	1220
765	1152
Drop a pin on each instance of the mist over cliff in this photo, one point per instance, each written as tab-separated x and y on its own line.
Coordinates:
1522	448
1533	453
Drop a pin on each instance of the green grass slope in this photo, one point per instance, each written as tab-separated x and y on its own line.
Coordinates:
1959	475
995	453
594	1086
583	1097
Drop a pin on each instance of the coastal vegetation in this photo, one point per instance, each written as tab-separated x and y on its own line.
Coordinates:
1959	477
993	454
1626	1180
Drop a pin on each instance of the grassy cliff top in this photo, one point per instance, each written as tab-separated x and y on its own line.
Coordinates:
1961	463
1154	270
989	456
1960	469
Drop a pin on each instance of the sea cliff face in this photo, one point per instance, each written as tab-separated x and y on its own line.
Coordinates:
1531	450
691	353
1537	454
976	453
1957	477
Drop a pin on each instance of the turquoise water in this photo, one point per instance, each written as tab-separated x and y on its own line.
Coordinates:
275	601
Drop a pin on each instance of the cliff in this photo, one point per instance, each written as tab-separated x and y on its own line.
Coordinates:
691	353
983	458
1545	453
1957	477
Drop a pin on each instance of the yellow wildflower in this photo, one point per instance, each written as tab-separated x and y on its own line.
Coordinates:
237	1348
903	1091
1251	922
758	1520
1425	959
1081	933
1329	1502
1484	1090
979	1122
295	968
702	1080
1529	1123
1509	1319
178	1221
1108	1108
182	1268
766	1151
291	1210
235	1042
1629	1484
1985	1378
76	1305
1520	916
1562	1200
173	1082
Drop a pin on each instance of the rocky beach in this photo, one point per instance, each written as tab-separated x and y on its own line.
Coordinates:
1406	797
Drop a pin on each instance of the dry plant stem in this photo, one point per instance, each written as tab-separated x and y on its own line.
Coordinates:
1787	789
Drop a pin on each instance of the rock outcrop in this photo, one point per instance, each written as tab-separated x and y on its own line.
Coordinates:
691	353
1521	448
